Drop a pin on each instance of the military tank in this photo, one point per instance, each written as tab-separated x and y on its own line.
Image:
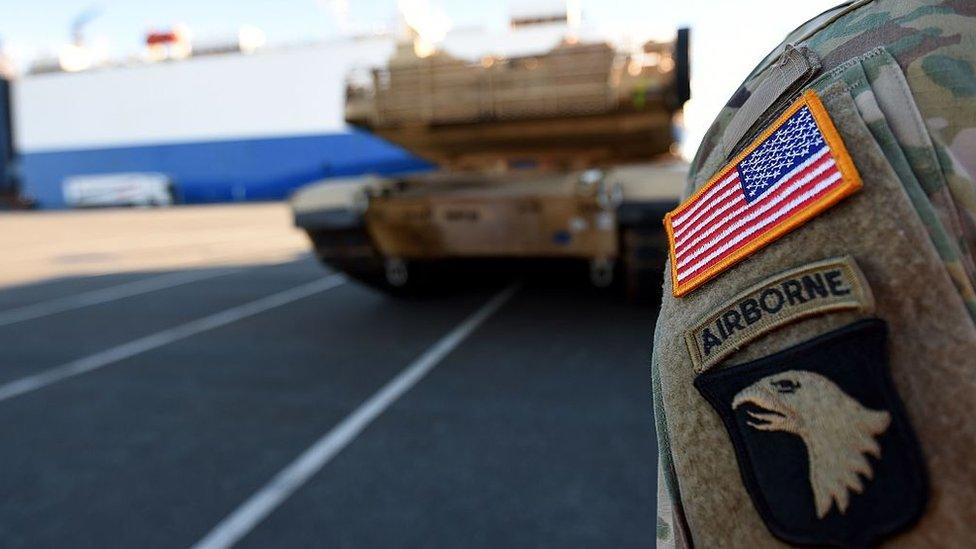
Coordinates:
568	154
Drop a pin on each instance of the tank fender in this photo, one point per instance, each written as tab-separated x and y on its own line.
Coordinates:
334	203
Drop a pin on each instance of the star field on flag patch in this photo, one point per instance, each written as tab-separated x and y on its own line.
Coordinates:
794	170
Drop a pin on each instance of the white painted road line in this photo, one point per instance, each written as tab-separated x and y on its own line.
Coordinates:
105	295
237	525
153	341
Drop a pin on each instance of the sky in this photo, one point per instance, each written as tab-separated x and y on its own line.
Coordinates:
728	36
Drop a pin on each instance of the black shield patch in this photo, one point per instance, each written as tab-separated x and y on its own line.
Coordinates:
824	446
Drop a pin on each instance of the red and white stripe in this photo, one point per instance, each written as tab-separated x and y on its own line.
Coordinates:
721	221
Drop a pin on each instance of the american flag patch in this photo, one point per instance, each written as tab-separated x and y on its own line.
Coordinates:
794	170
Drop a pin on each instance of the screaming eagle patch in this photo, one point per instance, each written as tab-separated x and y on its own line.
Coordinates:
793	171
824	447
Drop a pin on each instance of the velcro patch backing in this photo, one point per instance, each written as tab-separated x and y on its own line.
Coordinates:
831	285
797	168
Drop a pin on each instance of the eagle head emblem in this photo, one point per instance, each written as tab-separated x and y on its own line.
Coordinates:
836	429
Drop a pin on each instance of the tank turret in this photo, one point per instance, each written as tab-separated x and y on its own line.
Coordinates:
579	104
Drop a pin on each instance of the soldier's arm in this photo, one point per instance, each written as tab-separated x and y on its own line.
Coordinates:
813	359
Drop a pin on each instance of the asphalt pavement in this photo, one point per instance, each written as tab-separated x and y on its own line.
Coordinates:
261	400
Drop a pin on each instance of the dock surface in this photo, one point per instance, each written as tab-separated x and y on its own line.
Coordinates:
192	375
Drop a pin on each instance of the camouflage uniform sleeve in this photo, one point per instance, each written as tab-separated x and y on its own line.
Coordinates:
897	78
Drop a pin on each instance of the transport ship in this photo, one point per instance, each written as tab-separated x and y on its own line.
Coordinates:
228	121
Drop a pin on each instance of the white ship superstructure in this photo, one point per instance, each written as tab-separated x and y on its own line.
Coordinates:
247	124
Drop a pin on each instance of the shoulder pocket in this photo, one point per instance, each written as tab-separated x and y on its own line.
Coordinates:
885	102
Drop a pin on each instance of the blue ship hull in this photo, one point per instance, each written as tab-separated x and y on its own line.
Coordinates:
222	171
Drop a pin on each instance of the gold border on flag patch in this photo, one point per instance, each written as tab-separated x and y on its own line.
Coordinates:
797	168
835	284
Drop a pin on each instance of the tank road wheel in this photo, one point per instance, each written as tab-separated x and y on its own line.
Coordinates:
396	271
601	272
351	252
644	251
